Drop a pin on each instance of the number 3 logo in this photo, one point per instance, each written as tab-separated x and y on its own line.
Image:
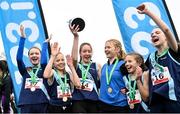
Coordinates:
138	36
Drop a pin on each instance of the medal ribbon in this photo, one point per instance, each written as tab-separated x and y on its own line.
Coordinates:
108	76
132	90
155	64
89	76
34	75
85	72
60	81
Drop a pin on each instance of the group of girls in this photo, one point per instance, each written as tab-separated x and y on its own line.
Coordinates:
123	84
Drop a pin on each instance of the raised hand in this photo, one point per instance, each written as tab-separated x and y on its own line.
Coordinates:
55	49
48	39
22	31
69	60
142	9
74	29
139	72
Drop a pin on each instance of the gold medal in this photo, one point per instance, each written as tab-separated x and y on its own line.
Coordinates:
33	88
65	99
131	106
109	90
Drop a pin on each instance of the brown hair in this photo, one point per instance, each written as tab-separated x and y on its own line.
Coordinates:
81	46
33	48
117	44
4	67
139	59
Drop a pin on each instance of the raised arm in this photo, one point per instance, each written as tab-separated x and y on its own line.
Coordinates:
74	78
74	52
19	56
44	52
142	9
48	72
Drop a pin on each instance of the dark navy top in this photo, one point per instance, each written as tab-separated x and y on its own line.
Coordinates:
171	88
26	95
54	100
83	94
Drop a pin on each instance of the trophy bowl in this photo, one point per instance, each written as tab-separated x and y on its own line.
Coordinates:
77	21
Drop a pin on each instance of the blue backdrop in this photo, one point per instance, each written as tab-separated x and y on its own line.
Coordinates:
136	28
13	13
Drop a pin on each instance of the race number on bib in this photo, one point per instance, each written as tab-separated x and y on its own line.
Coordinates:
137	98
29	84
160	77
63	92
86	85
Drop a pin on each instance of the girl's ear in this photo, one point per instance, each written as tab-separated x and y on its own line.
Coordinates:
139	64
117	49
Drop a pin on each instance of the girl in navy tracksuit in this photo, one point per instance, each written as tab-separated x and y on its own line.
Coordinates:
164	67
33	95
133	71
59	81
85	94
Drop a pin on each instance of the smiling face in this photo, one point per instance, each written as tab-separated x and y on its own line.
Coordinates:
131	64
34	55
86	53
59	62
110	50
158	37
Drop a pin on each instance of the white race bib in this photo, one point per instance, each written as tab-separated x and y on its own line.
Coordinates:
136	100
29	84
67	92
86	85
160	77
